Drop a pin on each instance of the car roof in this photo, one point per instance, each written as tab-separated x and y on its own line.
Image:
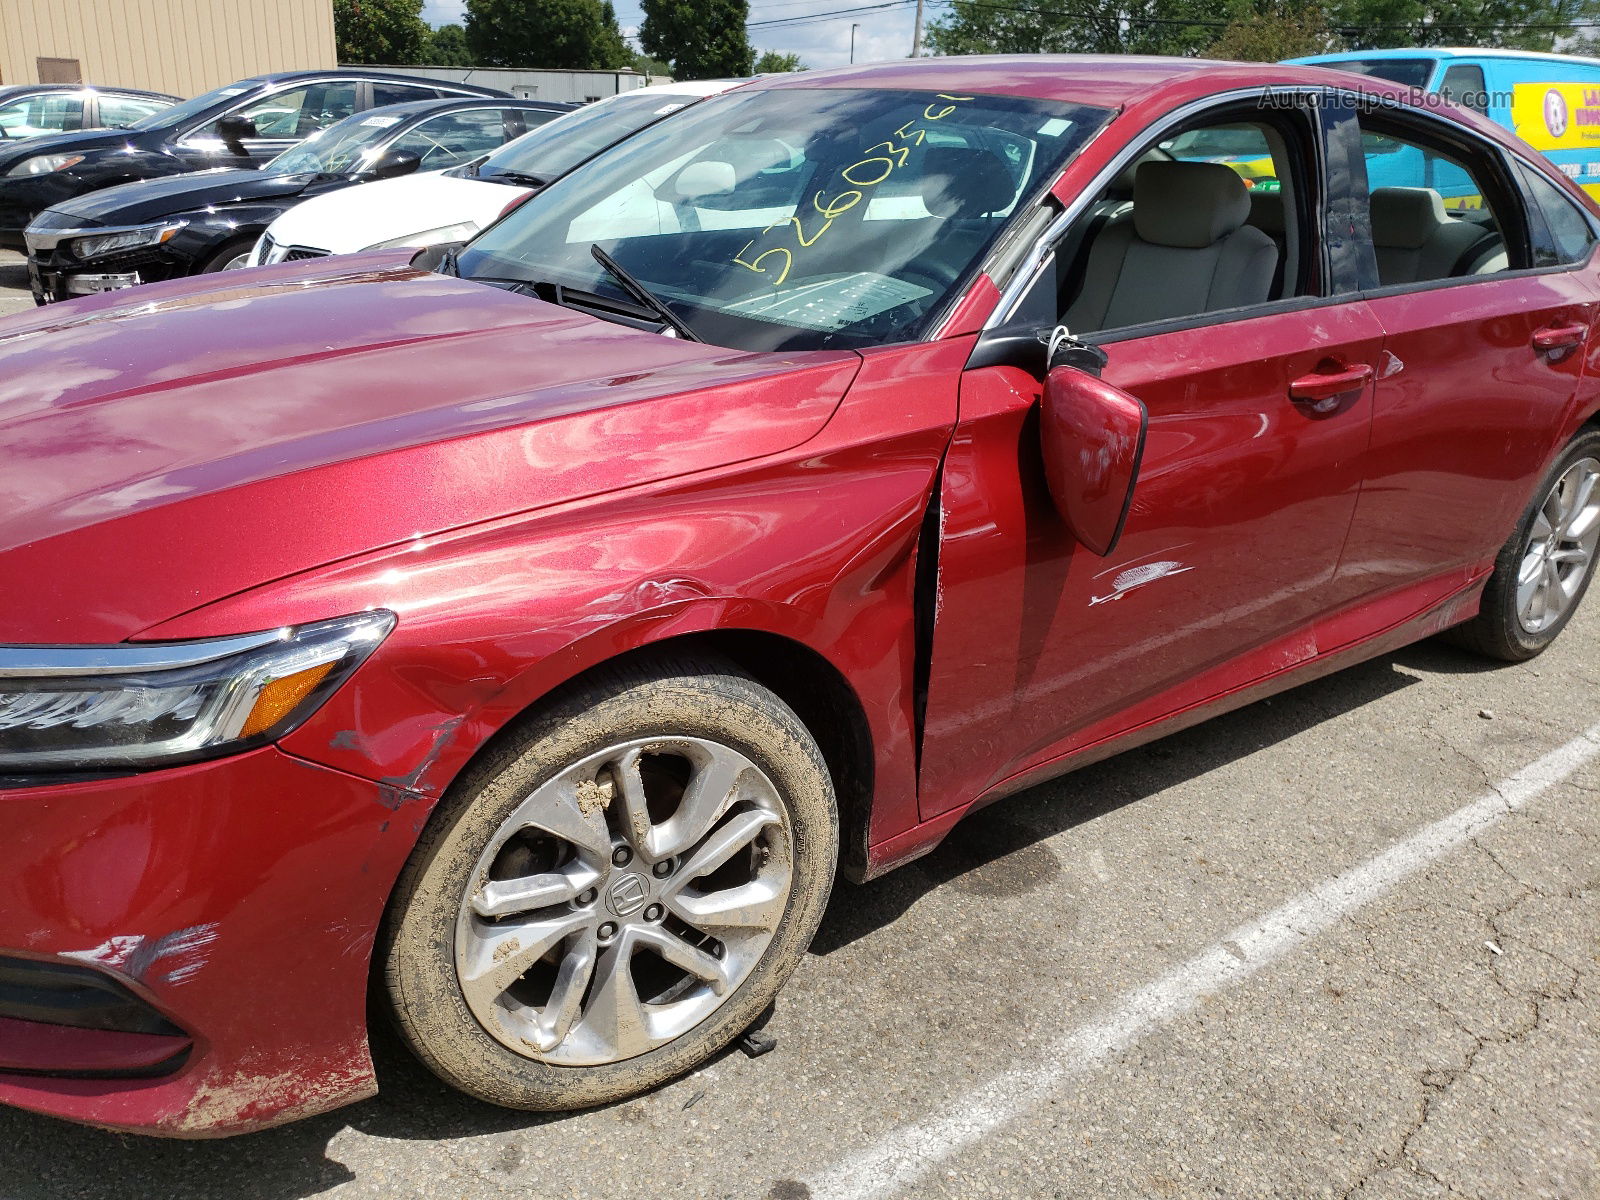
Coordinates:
412	108
690	87
1445	52
1106	80
17	89
381	76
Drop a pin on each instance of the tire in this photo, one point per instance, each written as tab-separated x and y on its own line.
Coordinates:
546	814
1511	624
223	259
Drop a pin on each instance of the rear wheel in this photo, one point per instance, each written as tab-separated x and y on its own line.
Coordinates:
616	893
1544	569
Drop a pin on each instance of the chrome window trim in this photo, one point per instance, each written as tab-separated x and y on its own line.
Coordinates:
124	658
1027	271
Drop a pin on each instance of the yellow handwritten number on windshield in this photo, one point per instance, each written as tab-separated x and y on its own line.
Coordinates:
868	172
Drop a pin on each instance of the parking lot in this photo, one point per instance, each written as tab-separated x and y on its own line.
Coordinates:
14	296
1345	942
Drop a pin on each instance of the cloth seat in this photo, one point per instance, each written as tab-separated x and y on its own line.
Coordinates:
1185	249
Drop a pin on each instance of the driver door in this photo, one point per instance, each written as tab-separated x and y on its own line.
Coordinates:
1250	474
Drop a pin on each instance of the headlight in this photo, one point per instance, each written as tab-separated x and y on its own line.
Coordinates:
43	164
458	232
156	703
124	239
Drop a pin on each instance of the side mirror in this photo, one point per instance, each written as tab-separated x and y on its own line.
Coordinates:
1092	437
233	129
394	162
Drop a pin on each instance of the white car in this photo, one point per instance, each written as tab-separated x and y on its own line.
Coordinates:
451	206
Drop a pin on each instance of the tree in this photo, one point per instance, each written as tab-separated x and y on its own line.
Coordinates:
1512	24
773	63
702	39
447	47
1275	34
574	35
1079	26
379	31
646	65
1257	29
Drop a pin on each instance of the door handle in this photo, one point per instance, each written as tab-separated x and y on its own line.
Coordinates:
1328	385
1559	337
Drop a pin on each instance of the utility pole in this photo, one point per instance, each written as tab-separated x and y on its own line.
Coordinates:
916	36
853	27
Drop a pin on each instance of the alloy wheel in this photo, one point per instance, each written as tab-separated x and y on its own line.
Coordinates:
624	901
1561	547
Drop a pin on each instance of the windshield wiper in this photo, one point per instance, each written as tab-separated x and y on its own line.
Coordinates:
642	294
519	178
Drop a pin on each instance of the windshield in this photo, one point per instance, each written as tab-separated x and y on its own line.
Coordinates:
793	218
1408	72
179	113
552	150
340	149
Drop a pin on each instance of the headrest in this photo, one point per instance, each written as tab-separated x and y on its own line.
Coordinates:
1191	204
1404	218
961	182
1122	182
1266	211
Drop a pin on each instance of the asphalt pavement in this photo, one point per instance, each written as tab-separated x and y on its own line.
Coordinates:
1342	943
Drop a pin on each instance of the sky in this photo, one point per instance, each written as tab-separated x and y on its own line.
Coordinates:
822	41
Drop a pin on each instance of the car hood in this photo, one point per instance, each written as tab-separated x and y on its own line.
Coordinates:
351	219
167	446
152	199
12	153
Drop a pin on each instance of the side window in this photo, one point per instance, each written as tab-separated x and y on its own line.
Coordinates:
1432	217
1570	232
1463	85
1206	220
298	113
118	112
400	93
49	112
452	138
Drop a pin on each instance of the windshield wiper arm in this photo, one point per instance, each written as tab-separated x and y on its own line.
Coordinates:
642	294
521	178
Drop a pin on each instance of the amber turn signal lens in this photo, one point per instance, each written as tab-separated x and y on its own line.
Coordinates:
280	697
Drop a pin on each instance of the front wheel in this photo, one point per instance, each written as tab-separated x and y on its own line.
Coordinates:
615	893
1545	567
232	257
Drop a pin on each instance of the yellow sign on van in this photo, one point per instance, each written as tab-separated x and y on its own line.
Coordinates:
1556	116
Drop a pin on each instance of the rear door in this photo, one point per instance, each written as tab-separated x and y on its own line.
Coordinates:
1251	469
1484	321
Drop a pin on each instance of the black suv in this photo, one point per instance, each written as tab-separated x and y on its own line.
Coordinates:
244	124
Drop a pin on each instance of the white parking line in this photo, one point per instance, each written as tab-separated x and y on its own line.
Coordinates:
908	1152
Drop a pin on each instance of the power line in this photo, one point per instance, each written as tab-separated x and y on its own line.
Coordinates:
833	14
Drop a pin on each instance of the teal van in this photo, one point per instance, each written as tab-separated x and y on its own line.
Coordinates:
1550	101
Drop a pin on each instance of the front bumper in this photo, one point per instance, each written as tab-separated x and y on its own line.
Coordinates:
53	275
230	907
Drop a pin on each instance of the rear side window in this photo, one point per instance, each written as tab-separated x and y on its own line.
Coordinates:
118	112
401	93
1432	213
1463	85
1570	233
